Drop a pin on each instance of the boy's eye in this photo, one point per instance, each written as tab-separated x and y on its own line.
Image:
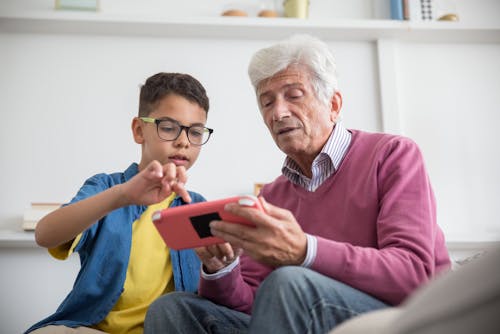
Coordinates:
196	131
168	127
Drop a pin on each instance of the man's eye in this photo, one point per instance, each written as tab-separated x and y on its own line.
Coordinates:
266	103
295	94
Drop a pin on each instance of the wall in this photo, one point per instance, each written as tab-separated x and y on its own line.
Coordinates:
67	101
449	105
32	286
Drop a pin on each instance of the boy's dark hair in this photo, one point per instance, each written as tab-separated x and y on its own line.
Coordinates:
162	84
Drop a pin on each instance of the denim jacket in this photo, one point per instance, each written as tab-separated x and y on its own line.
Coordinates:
104	251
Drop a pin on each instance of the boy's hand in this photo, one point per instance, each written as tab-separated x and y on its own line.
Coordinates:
155	183
216	257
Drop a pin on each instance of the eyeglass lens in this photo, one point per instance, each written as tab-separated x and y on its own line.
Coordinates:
169	130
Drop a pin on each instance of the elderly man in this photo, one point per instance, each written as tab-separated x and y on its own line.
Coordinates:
349	226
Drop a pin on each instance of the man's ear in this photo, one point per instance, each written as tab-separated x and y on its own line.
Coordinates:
336	105
137	130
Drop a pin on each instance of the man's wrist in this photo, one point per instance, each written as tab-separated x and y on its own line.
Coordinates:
312	248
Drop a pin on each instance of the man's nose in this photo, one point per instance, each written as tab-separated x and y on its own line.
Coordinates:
280	109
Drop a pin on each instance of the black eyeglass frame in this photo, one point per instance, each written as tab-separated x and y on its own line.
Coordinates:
157	121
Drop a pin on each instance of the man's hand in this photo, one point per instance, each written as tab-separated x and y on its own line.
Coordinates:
155	183
276	240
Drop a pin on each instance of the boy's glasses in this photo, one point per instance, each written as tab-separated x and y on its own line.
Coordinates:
169	130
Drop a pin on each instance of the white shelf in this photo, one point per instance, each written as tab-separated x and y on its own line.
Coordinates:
17	238
245	28
26	239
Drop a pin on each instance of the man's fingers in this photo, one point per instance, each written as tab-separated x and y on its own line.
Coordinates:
275	211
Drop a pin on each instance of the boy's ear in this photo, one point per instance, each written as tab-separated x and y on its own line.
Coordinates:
137	130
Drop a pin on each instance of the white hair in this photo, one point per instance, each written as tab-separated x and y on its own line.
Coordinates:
302	50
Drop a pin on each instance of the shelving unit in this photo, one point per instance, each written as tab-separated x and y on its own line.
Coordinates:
246	28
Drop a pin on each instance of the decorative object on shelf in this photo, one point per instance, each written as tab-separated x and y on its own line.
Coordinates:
268	8
448	17
268	13
91	5
261	8
36	212
445	10
234	12
296	8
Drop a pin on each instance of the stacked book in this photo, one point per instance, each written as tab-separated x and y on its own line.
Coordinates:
412	10
36	212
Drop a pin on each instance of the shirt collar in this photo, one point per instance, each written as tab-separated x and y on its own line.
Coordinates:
334	150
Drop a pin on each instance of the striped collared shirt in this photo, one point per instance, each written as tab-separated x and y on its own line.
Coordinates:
325	164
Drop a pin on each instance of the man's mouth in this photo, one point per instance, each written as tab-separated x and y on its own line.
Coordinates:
285	130
286	126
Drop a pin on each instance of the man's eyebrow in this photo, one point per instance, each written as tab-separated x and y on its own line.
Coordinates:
286	86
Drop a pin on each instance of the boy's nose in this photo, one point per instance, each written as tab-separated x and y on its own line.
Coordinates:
183	139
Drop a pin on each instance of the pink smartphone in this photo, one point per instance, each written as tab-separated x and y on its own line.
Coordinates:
187	226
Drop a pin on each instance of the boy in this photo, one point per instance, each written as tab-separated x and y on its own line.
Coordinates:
124	263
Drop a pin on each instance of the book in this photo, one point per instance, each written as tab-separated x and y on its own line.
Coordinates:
396	9
426	9
36	212
406	10
420	10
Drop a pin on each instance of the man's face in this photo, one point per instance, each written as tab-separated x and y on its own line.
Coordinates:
299	123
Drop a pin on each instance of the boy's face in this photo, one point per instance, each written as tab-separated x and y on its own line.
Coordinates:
179	151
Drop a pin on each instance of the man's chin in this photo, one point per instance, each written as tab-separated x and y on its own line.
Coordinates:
288	146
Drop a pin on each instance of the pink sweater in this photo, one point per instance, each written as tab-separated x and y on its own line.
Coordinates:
375	221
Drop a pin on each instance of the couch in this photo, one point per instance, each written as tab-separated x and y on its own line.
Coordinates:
462	301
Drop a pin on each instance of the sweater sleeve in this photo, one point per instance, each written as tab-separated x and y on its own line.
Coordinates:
405	226
236	289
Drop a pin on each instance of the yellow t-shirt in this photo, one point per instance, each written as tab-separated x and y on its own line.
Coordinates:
149	275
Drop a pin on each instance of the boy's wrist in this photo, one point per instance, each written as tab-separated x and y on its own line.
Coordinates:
120	197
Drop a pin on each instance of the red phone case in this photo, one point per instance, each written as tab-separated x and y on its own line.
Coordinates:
187	226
